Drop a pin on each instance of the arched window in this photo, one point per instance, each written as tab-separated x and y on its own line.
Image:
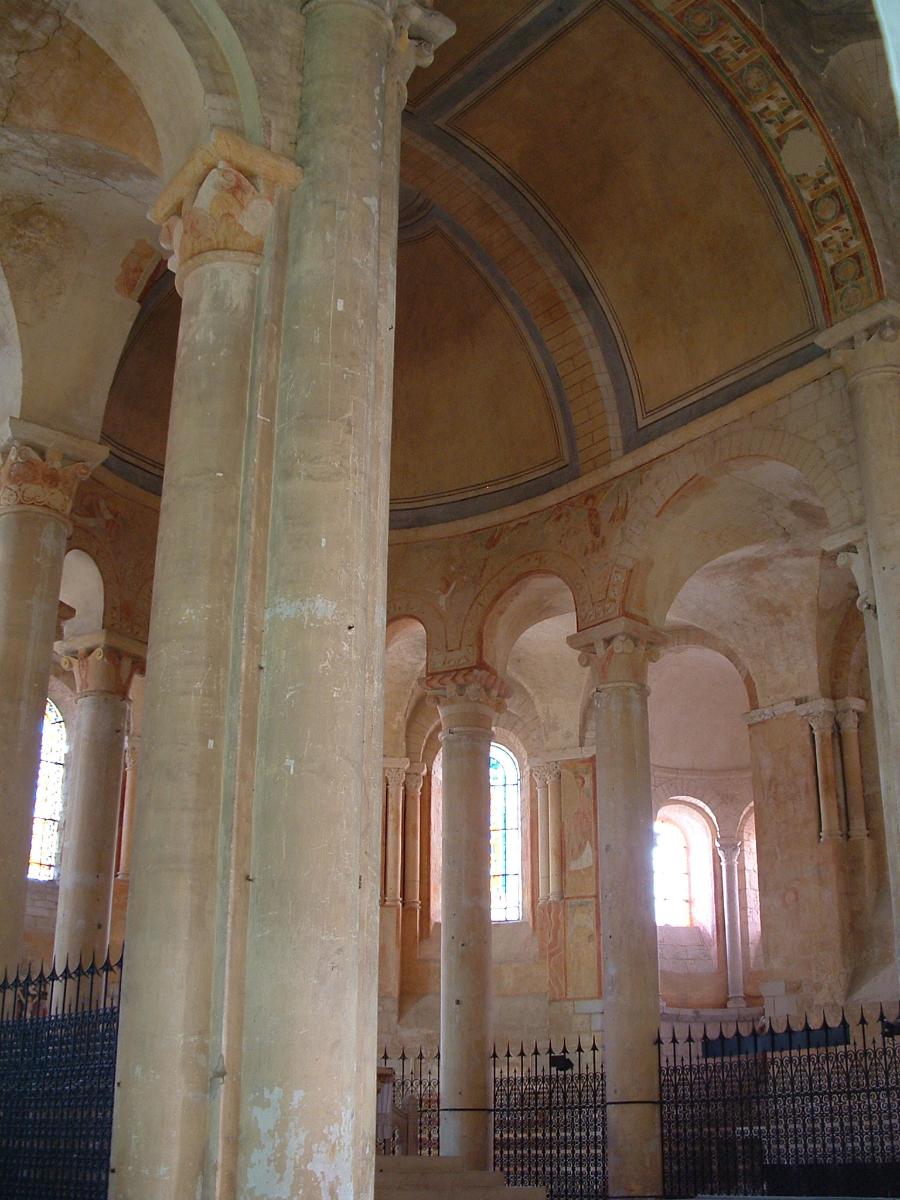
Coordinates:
506	836
44	859
671	875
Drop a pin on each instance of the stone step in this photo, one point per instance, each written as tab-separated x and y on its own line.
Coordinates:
411	1177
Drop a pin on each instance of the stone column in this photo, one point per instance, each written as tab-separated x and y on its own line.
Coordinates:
619	652
541	776
40	470
468	702
848	714
389	936
215	215
132	762
307	1101
820	715
412	867
555	832
729	850
102	665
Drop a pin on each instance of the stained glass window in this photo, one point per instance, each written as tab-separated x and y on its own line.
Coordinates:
671	875
48	798
506	837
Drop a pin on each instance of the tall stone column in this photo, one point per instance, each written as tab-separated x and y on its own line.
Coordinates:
619	652
468	702
820	715
541	775
132	765
40	470
215	215
307	1101
102	665
412	832
848	714
389	936
868	349
729	850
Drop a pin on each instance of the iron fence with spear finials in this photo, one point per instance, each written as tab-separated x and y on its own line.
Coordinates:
58	1032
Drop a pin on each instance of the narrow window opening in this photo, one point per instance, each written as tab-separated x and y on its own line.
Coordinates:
506	836
671	875
43	861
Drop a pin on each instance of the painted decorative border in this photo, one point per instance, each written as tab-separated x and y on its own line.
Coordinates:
760	86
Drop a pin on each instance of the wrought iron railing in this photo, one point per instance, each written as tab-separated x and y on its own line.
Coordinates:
811	1108
58	1035
549	1116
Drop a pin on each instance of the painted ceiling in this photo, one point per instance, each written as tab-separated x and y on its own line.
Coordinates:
616	215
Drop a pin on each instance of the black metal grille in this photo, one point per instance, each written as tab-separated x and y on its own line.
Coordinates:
57	1079
803	1109
549	1118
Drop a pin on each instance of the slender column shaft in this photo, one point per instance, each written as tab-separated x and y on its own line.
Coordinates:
620	651
163	1070
411	836
35	497
542	780
729	852
307	1112
822	723
132	761
92	805
395	777
467	707
555	833
132	758
848	722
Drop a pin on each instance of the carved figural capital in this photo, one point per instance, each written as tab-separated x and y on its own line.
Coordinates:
420	30
221	201
29	481
477	684
618	651
227	214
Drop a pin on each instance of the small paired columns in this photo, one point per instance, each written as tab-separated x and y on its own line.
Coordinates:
468	702
848	713
102	665
820	715
40	470
548	780
842	807
619	652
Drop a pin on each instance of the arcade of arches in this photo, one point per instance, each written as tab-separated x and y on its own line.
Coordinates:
579	609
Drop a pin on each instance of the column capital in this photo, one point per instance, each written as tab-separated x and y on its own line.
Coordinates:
468	685
848	711
419	32
729	850
101	662
618	651
820	715
867	343
395	772
545	773
41	468
415	777
221	202
852	547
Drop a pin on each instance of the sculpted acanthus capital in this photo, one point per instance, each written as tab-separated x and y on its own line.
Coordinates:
395	777
545	773
415	777
618	651
480	685
729	851
28	480
820	715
